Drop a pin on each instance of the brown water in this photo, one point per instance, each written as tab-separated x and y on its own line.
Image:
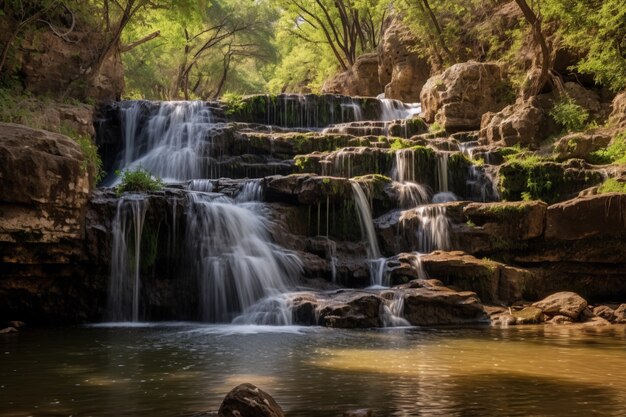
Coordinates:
181	369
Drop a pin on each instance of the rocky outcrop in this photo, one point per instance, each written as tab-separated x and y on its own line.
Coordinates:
457	99
401	70
420	303
44	193
51	64
247	400
524	123
603	215
360	80
618	114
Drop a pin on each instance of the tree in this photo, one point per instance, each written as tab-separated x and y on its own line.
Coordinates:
19	14
347	27
535	23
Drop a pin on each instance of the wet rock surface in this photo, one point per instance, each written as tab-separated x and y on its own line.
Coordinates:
247	400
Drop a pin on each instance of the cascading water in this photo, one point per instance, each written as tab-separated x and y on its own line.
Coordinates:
397	110
174	144
125	283
411	193
442	172
433	232
376	262
234	262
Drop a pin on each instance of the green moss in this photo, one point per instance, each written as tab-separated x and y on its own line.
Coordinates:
507	210
612	186
398	143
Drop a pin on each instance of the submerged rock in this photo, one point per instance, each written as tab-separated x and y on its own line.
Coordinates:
247	400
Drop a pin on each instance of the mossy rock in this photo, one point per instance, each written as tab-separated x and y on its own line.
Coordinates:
529	315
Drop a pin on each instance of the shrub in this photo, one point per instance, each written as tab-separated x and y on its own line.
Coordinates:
234	103
139	180
571	116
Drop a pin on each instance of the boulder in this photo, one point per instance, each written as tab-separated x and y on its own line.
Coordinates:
427	307
360	80
580	144
465	272
402	72
351	309
525	123
458	98
620	314
247	400
563	303
586	217
618	115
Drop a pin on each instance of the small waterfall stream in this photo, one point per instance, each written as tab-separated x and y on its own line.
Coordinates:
125	282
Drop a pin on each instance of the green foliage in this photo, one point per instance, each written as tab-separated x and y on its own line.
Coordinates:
234	103
614	153
612	186
571	116
92	161
597	31
139	180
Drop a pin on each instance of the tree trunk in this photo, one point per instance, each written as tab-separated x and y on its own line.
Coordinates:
535	23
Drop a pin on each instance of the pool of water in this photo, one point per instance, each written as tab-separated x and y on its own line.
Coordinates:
184	368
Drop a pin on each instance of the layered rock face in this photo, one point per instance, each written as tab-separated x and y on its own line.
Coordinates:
458	98
360	80
44	194
401	71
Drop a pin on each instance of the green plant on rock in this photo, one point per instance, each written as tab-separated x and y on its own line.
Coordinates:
612	185
234	103
139	180
436	128
570	115
614	153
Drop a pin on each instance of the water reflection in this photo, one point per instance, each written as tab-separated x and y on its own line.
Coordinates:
182	369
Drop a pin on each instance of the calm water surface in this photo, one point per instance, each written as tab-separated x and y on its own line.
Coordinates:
181	369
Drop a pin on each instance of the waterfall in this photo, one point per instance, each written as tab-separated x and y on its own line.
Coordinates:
433	232
377	264
233	260
393	311
411	193
125	283
130	122
175	143
251	190
366	222
397	110
442	171
416	263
